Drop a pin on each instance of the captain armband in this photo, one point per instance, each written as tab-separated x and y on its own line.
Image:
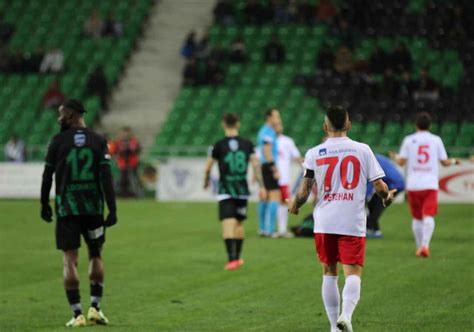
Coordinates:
308	173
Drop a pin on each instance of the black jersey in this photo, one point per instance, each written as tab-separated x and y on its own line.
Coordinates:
76	155
233	154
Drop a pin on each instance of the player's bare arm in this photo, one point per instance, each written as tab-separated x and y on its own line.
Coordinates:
207	172
397	159
382	191
267	152
257	174
450	162
302	196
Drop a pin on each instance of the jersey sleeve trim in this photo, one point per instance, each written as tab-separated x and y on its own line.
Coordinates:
378	177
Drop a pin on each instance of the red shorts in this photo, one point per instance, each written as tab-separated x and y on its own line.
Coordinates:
423	203
285	193
333	248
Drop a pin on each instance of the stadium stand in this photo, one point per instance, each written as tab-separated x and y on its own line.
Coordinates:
44	25
403	56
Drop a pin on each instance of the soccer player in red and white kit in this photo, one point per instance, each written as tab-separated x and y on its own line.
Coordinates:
421	152
340	168
287	152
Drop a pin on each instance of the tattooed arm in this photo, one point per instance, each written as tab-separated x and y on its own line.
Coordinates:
303	193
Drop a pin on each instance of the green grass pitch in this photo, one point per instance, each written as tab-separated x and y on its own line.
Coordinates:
164	272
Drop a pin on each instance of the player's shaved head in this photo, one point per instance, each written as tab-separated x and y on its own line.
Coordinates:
231	120
272	116
423	121
337	118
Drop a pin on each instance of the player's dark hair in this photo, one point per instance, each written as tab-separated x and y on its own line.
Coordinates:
230	120
269	112
74	105
423	121
337	115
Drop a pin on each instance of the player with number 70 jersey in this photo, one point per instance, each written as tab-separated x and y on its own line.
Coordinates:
342	168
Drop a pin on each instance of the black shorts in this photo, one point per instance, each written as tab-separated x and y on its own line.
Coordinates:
70	228
269	180
233	208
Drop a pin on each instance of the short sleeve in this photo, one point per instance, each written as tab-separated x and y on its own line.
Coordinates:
295	153
50	159
104	153
268	139
404	149
251	148
442	155
308	161
374	170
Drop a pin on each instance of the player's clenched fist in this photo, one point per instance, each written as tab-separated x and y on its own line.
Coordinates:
46	213
292	207
390	198
111	219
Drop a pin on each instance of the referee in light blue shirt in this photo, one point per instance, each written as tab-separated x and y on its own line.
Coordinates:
268	153
394	180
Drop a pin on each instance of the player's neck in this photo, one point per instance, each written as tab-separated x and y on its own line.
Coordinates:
337	134
79	124
231	132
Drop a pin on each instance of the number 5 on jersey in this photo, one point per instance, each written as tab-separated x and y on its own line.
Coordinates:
332	163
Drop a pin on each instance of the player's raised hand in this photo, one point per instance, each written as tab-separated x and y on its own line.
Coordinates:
291	207
390	198
111	219
46	213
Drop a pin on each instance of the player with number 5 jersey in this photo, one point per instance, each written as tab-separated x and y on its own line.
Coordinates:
421	152
340	169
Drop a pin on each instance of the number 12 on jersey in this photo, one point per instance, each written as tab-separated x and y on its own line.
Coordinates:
332	163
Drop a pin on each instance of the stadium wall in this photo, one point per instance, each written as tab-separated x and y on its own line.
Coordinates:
180	179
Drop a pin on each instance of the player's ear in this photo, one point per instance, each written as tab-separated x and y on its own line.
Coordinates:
349	124
325	127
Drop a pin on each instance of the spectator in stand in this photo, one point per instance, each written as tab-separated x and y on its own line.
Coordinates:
343	62
112	28
219	53
407	85
224	12
274	51
190	73
378	61
15	150
305	12
127	149
390	86
325	11
213	75
97	86
238	51
53	62
53	97
203	48
33	60
253	13
280	12
325	58
94	25
6	32
401	58
345	33
426	87
189	47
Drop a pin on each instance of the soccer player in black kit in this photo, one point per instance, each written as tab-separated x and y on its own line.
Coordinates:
233	154
80	160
